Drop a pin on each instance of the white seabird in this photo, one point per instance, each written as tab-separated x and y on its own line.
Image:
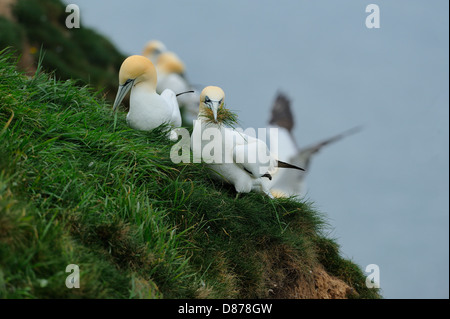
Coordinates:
239	159
171	70
153	49
292	183
148	109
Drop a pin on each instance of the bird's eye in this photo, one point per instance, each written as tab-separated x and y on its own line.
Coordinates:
128	82
207	100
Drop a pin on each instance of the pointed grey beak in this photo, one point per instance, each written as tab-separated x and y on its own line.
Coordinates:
215	107
121	92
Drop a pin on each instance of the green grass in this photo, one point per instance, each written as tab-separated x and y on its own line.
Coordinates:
224	117
78	186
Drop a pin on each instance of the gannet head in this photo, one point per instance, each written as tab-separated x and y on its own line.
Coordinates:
153	49
169	62
134	70
212	98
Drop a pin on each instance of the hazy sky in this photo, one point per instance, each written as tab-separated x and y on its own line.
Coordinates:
384	190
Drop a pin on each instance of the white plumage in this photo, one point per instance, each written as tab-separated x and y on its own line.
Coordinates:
171	76
148	109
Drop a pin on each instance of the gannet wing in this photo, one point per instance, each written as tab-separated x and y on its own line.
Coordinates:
281	113
178	84
171	100
305	154
253	156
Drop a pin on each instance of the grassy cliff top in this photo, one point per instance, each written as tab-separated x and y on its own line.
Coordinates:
30	26
77	186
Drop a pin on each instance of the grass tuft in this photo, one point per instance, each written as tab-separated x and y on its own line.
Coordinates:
224	117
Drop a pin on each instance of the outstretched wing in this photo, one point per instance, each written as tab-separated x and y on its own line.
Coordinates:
305	154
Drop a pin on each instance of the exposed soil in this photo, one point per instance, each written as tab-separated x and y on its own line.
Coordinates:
290	278
5	8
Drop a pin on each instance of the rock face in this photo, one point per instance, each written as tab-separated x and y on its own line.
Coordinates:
321	286
290	277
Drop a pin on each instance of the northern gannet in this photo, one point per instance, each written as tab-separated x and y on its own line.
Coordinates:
239	159
153	49
148	109
286	184
170	71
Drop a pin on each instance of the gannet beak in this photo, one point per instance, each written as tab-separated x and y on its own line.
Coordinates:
215	107
121	92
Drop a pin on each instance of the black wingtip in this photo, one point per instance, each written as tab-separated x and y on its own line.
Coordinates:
287	165
184	93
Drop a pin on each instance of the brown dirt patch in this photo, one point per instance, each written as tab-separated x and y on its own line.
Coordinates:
5	8
289	276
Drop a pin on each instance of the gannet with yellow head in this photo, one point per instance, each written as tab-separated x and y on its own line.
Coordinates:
153	49
244	161
168	62
171	70
148	109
